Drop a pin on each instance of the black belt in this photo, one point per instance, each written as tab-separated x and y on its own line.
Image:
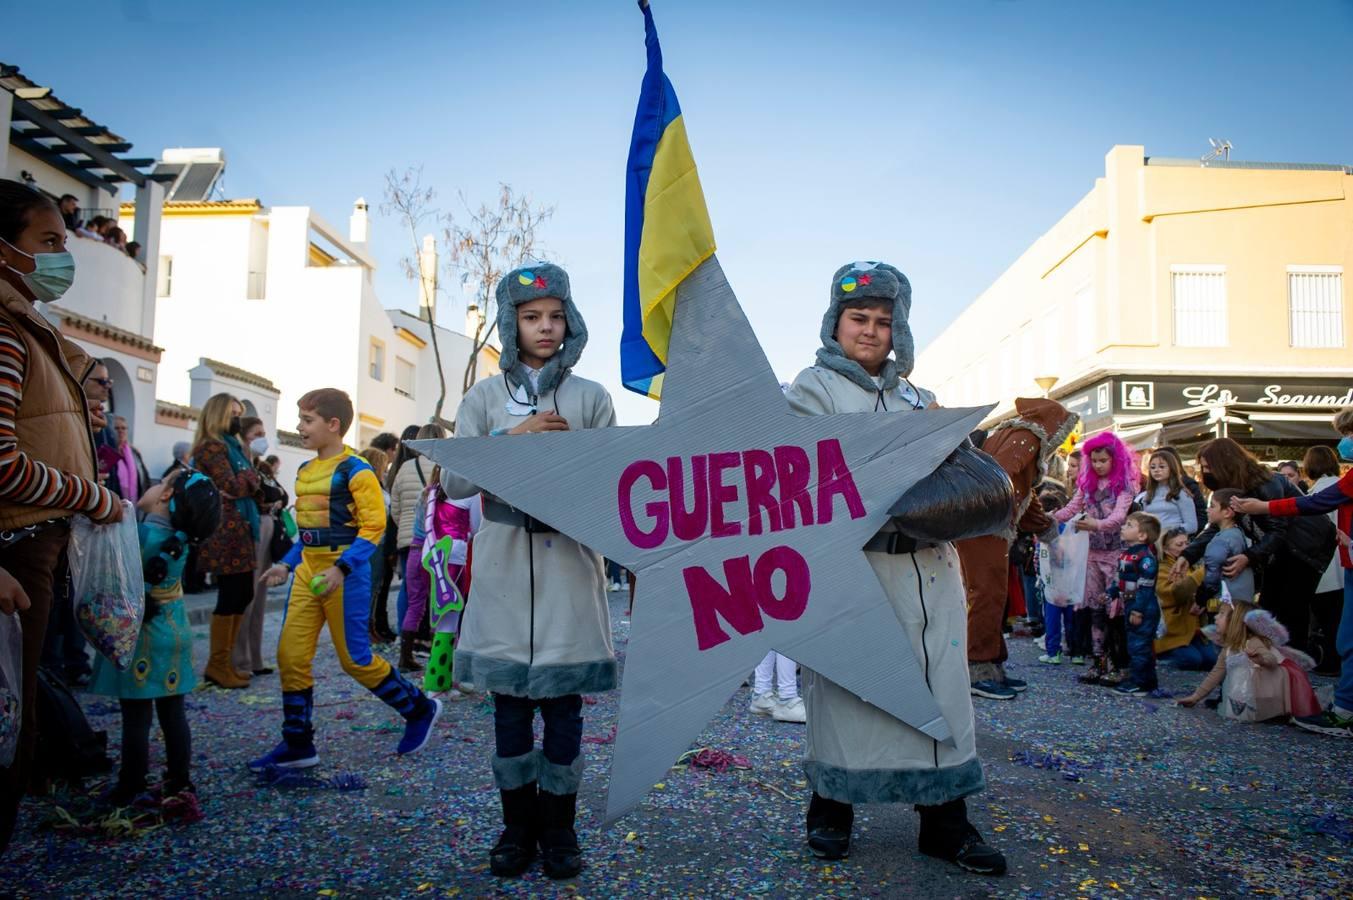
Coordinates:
894	543
494	511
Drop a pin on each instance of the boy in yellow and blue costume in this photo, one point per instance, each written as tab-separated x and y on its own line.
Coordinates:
340	515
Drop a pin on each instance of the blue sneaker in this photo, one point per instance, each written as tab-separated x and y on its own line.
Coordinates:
1127	688
285	756
1018	685
418	731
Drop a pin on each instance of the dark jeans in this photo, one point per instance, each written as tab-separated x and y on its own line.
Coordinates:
1199	655
1080	640
1032	605
234	593
514	720
1141	641
64	649
380	601
1289	585
1326	609
32	562
178	741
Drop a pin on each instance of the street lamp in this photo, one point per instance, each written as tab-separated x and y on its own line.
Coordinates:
1046	382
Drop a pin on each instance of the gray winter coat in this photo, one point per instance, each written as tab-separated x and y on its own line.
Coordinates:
536	623
856	753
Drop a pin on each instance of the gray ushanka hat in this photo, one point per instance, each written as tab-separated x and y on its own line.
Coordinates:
869	281
522	285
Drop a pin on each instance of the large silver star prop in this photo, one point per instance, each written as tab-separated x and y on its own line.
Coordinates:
744	524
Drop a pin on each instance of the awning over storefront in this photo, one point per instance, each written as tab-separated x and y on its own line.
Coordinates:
1243	422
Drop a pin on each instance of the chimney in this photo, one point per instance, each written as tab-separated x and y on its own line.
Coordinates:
427	280
358	226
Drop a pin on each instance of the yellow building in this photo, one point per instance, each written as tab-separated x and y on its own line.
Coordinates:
1177	301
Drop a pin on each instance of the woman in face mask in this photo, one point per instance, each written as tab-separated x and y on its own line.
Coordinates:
1287	556
221	453
47	470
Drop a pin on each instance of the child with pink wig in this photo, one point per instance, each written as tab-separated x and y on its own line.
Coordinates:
1104	490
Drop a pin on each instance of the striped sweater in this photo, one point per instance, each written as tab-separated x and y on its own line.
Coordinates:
26	480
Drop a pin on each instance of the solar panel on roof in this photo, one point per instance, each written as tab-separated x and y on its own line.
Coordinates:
164	168
197	181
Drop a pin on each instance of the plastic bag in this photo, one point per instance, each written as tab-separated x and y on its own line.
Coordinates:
969	495
110	600
1063	571
11	685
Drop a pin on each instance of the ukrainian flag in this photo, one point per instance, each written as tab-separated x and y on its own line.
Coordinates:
667	229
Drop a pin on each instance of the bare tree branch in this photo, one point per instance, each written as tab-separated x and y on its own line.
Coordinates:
486	243
411	203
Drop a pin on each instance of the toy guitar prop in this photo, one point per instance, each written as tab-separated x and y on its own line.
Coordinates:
446	596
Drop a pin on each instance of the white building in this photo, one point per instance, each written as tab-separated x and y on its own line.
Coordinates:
110	310
264	303
267	303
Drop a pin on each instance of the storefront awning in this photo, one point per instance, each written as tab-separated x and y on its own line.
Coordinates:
1245	422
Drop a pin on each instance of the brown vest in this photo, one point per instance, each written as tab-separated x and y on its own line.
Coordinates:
52	422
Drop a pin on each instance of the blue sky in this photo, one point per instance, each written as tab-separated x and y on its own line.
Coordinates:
943	138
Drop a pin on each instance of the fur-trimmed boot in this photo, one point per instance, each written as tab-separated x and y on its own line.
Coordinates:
560	854
516	847
406	661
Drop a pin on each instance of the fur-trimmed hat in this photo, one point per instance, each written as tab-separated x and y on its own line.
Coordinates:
867	281
533	282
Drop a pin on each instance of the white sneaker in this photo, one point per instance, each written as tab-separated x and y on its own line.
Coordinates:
790	711
762	704
1053	660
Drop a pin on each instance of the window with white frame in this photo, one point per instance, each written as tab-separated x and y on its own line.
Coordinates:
1315	305
404	377
1199	305
376	360
164	277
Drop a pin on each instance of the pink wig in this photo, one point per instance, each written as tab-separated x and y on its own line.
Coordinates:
1123	475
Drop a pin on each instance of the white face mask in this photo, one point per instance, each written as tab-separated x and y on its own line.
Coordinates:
259	446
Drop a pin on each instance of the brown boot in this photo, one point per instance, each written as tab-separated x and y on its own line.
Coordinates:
406	661
219	670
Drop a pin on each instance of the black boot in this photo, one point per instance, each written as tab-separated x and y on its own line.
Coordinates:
947	834
559	849
516	847
829	823
406	661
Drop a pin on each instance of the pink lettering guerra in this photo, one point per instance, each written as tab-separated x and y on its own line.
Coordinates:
777	498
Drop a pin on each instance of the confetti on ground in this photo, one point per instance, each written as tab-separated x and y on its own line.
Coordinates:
1171	803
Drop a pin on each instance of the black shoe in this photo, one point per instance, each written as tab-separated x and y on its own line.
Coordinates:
829	843
972	854
265	670
516	847
560	855
947	834
829	823
514	852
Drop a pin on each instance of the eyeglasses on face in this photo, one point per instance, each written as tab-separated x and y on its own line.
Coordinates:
106	382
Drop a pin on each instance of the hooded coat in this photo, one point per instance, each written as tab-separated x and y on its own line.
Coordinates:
536	623
1022	447
856	752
